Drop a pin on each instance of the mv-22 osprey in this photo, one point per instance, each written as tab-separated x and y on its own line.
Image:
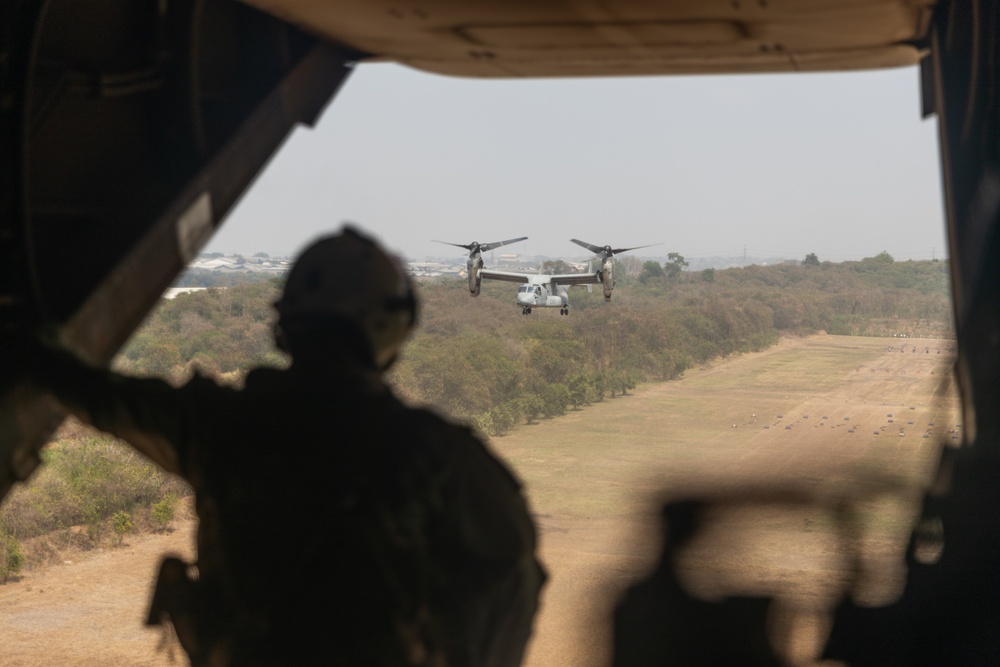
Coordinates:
539	290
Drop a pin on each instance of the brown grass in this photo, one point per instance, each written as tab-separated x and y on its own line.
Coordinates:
792	506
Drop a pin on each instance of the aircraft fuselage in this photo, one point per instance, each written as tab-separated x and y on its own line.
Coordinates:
542	296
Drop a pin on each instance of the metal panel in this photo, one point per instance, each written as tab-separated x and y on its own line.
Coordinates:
184	159
495	38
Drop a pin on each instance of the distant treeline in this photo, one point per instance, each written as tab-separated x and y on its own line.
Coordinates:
482	360
208	278
222	331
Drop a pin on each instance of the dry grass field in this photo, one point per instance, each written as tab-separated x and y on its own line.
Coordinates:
780	439
596	479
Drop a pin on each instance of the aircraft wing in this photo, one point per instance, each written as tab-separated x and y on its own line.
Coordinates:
506	276
576	279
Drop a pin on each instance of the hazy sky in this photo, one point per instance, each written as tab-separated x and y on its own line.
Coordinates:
836	164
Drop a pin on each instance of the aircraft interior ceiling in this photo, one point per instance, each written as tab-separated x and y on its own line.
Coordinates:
585	38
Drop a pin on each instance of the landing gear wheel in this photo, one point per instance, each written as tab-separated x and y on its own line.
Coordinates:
527	311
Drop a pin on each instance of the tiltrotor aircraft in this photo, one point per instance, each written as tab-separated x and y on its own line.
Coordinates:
540	290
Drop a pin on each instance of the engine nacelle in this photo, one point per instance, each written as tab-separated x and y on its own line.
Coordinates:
608	277
475	280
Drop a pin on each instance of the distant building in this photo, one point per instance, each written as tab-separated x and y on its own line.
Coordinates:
236	263
174	292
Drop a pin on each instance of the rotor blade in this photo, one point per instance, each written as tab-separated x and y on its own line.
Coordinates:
596	249
496	244
638	247
457	245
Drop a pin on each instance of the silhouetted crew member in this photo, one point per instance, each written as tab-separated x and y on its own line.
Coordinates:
337	525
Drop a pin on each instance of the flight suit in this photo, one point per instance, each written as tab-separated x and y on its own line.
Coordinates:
337	525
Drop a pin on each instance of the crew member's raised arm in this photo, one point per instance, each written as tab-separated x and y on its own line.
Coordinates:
148	413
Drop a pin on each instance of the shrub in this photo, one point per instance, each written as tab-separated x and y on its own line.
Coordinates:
11	556
483	423
579	389
599	382
164	510
121	522
555	398
86	481
504	417
531	407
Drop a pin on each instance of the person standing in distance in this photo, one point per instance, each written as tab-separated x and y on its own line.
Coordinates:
337	526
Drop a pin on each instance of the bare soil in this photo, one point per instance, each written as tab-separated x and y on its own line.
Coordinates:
596	479
89	611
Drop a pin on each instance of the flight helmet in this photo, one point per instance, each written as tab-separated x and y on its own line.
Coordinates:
347	284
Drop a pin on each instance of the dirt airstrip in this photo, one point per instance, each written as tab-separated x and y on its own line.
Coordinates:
780	438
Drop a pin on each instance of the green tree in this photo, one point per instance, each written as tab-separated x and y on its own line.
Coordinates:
555	398
504	417
483	423
556	266
532	406
579	390
158	357
614	381
651	271
708	275
811	260
626	380
884	257
674	266
556	358
600	384
672	363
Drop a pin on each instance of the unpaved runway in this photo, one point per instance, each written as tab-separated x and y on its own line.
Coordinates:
781	438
